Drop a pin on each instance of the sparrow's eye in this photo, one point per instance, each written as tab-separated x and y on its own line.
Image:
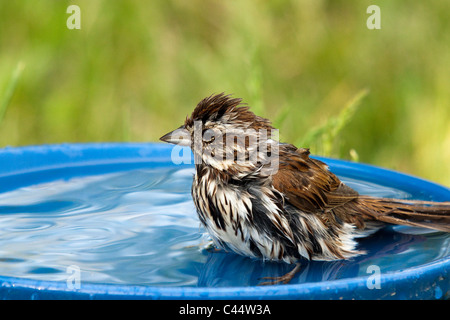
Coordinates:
209	136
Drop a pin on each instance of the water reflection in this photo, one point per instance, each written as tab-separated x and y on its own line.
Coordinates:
223	269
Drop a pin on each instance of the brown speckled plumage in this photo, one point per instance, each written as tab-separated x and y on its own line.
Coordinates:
300	210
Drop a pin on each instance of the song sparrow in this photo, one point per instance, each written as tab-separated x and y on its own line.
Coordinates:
265	199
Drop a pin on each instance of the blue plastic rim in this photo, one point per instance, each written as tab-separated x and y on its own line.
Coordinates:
27	165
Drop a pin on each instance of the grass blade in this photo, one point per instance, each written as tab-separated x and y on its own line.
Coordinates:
6	100
324	137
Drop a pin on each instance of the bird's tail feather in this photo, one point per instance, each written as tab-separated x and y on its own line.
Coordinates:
427	214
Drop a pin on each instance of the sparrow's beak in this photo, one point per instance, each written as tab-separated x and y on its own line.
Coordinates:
180	136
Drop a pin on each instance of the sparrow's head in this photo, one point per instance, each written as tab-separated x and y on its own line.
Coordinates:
224	133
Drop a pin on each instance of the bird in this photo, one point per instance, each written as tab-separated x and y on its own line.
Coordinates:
266	199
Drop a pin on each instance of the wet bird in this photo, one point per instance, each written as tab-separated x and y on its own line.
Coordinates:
264	199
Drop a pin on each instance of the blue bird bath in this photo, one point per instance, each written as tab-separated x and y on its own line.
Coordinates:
116	221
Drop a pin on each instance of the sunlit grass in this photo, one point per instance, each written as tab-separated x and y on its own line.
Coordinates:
135	70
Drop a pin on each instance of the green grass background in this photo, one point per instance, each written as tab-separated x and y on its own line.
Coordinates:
137	68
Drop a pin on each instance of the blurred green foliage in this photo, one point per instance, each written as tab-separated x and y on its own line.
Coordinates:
136	69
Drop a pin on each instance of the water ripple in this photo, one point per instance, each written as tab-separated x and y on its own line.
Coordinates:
140	227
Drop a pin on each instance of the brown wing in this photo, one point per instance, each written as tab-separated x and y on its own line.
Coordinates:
309	186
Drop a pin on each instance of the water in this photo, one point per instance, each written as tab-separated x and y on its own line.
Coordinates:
140	227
